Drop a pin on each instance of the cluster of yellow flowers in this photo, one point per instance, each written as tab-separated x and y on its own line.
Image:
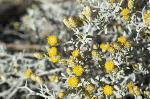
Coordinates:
53	50
29	74
79	64
90	88
74	22
87	13
133	89
107	47
77	70
113	47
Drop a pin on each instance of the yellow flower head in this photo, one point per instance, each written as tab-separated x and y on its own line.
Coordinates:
55	59
39	80
95	46
95	54
104	46
90	88
78	70
52	51
130	85
73	81
125	12
76	53
109	66
73	22
147	18
39	55
94	97
68	71
133	89
61	94
122	39
28	73
66	22
136	90
108	90
54	78
130	4
87	12
33	77
52	40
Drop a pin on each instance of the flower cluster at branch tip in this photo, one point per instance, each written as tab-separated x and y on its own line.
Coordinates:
130	4
79	21
87	13
53	51
29	74
73	22
133	89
